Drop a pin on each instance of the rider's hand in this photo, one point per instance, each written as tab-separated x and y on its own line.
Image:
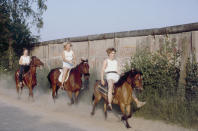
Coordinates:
102	82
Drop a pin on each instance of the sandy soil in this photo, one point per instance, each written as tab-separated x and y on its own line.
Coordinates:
60	115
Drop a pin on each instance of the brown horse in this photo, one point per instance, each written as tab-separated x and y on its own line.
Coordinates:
29	78
73	83
122	94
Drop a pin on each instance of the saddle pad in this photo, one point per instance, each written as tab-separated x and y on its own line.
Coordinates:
103	89
61	75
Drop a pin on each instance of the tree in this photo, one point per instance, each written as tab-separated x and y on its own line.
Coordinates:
15	18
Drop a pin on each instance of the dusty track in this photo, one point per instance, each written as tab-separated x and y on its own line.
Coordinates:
61	115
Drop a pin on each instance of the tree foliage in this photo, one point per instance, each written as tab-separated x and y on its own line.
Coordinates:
16	18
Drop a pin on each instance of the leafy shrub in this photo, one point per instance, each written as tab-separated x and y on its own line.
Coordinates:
160	78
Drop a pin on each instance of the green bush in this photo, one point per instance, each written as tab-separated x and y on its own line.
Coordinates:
160	79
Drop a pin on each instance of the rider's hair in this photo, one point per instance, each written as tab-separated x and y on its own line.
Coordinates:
24	49
109	50
67	43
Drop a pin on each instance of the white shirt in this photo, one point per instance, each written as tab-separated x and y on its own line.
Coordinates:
68	55
112	65
25	60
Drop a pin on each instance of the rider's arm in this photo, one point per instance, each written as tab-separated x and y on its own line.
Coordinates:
103	70
63	56
74	59
20	61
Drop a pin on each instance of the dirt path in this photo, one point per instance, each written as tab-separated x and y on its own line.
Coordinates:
61	116
77	116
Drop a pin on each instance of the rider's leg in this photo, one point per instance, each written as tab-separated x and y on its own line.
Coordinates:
65	69
110	91
21	74
138	103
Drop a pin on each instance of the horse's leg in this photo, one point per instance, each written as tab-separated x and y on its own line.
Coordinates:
57	87
31	92
96	99
70	96
54	92
128	111
124	117
105	110
128	114
76	96
18	91
21	91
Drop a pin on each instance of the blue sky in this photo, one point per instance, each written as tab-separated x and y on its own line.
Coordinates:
68	18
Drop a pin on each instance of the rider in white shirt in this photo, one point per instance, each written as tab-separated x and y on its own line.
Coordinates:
111	69
68	60
24	63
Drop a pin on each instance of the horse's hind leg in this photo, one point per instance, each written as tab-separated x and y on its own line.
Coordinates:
57	87
71	97
96	99
76	96
105	110
54	92
18	91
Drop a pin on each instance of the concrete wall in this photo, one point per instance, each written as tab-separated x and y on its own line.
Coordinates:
94	47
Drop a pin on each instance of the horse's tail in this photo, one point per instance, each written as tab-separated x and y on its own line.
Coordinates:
48	77
93	97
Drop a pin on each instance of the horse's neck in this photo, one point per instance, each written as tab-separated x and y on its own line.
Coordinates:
33	70
125	85
77	71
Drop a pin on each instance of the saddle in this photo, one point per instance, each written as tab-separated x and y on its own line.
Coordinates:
61	75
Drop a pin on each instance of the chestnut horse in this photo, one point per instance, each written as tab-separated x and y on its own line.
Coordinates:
29	78
73	83
122	94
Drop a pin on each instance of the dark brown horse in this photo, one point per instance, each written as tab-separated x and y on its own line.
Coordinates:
122	94
73	83
29	78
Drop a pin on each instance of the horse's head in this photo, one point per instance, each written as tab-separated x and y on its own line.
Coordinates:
135	79
36	62
84	68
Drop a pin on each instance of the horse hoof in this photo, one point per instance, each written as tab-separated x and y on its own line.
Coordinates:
105	115
92	113
71	103
128	126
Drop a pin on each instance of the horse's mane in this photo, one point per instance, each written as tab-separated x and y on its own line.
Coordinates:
126	74
76	67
